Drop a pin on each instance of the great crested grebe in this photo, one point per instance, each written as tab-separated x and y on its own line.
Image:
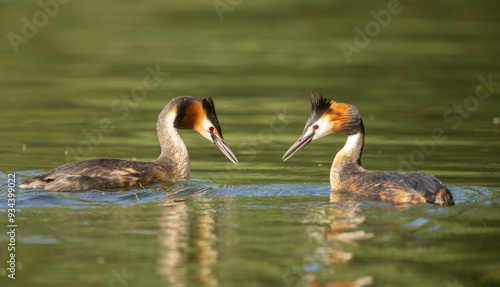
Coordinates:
328	117
173	163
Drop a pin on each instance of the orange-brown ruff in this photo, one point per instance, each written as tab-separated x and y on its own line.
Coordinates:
347	173
173	163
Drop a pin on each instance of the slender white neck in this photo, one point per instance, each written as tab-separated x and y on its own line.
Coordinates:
174	153
347	161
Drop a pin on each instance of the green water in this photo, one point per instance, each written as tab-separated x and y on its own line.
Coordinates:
71	93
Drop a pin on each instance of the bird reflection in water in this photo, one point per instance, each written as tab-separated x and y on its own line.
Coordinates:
181	243
342	218
188	240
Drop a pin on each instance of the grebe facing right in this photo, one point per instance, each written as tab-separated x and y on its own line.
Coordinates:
328	117
172	165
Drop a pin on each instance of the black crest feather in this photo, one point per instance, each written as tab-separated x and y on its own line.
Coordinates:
319	105
209	107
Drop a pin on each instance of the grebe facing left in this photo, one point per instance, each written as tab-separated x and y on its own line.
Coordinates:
328	117
173	163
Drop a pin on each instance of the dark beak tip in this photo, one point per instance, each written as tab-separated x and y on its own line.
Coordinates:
224	148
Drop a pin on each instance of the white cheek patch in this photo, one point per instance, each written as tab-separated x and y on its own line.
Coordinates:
322	130
206	129
207	124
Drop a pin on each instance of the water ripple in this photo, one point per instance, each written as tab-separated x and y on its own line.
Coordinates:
463	195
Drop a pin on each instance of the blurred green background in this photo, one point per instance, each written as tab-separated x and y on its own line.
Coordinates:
259	62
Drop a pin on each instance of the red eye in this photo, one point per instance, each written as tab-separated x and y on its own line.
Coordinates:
211	129
315	127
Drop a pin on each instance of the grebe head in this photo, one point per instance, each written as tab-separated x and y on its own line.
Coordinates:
199	115
326	117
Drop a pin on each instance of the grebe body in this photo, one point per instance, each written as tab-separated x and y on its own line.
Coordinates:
172	165
347	173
